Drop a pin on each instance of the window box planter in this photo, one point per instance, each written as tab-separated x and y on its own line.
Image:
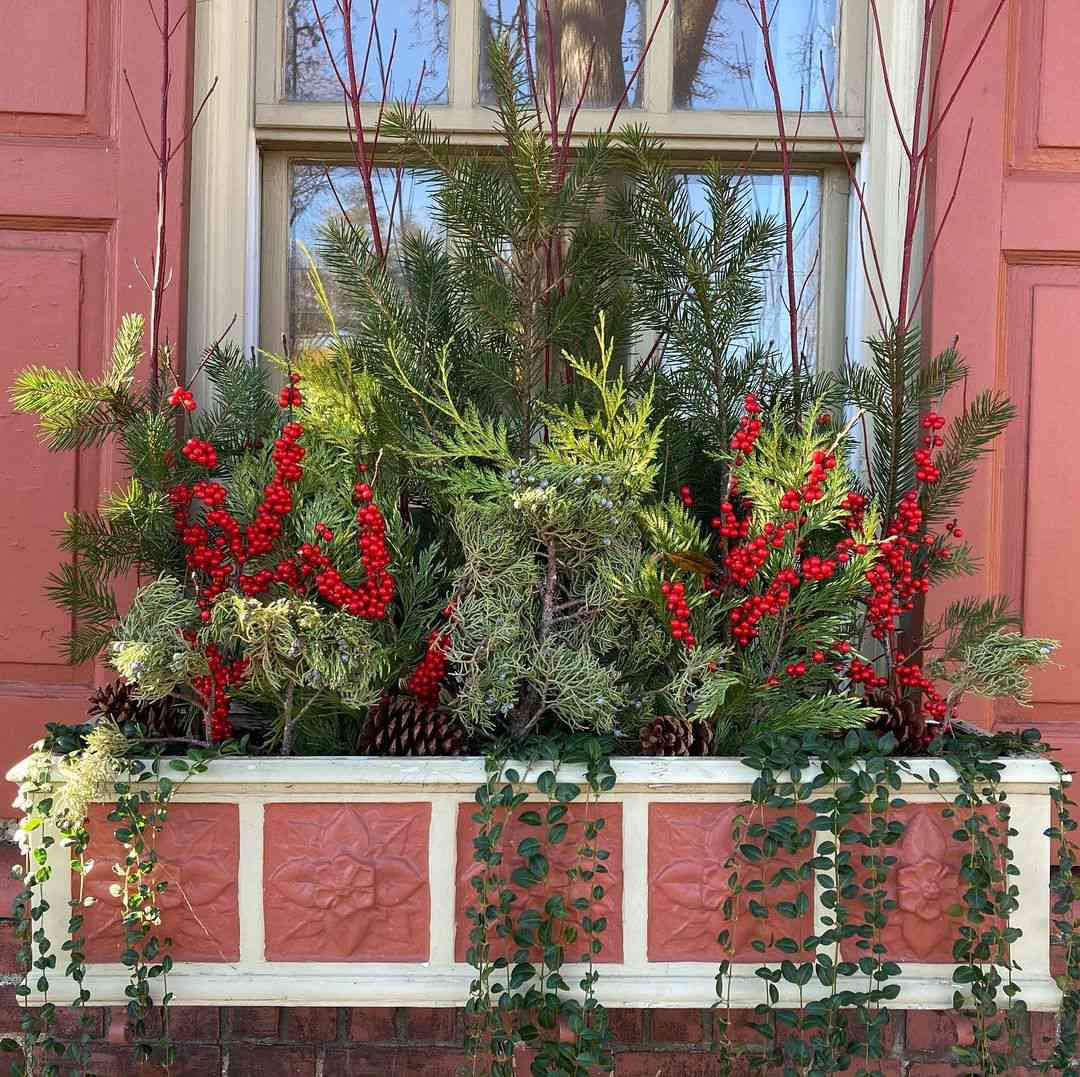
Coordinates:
345	882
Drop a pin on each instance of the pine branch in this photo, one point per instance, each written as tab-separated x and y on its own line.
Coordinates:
92	606
967	438
126	354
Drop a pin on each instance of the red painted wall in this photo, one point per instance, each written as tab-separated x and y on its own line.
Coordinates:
77	208
1006	278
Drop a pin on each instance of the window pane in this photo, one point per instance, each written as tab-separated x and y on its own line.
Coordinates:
719	59
767	195
315	191
422	28
612	31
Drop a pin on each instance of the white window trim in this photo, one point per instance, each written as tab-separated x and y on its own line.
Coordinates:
227	195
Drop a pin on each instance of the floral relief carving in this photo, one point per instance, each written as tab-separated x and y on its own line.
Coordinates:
924	883
346	882
561	858
689	845
199	852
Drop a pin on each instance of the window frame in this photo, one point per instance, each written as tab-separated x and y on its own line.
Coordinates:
274	267
238	234
465	120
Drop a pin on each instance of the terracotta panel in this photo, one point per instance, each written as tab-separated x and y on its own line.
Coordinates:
689	846
46	28
347	882
924	882
561	858
199	850
40	311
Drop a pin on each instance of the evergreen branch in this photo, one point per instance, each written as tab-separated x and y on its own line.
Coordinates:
126	354
967	438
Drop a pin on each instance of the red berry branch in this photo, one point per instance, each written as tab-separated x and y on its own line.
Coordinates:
220	551
429	673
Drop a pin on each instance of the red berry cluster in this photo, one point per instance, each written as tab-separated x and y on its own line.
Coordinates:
746	616
210	493
371	598
431	669
855	507
728	524
290	396
892	578
910	675
925	469
182	398
679	612
743	563
860	672
686	497
224	554
214	689
818	568
745	438
218	549
201	452
822	463
277	502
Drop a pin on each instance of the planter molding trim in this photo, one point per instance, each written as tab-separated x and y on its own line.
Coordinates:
343	881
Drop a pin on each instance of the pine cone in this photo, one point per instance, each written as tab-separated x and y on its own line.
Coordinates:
668	735
117	701
402	725
901	718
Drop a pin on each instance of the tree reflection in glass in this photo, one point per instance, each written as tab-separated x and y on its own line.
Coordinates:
423	34
607	33
314	194
719	59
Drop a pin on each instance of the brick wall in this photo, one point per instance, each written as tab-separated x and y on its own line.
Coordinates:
374	1042
314	1042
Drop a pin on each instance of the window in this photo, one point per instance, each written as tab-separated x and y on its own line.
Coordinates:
700	86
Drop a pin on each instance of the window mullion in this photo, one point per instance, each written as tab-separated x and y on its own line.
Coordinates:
464	53
659	65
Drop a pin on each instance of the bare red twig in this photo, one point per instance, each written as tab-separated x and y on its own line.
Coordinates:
866	232
523	23
353	86
206	356
195	119
917	140
158	287
164	151
551	103
399	172
947	107
564	152
939	230
887	81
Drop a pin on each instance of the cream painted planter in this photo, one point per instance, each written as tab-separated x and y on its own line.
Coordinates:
342	882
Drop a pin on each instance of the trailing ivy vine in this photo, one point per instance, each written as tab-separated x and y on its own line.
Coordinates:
69	773
827	811
521	948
